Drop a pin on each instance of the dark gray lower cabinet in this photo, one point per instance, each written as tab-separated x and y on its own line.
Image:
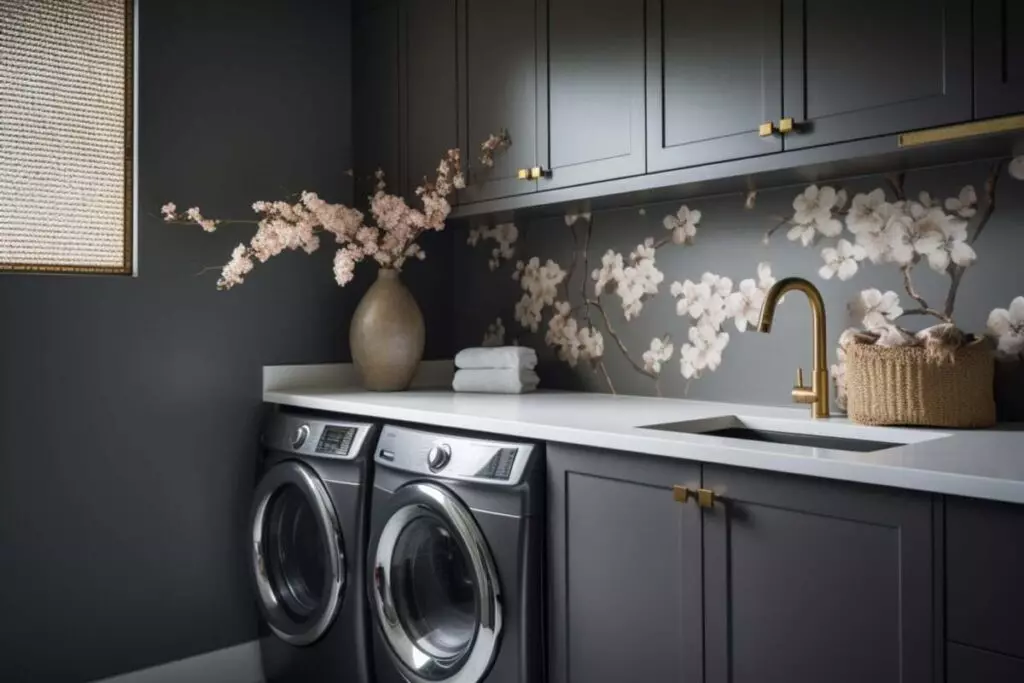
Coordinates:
784	579
808	580
971	665
625	569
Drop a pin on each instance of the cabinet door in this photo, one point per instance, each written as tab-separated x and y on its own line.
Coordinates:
874	67
809	581
970	665
713	76
430	92
376	87
595	92
998	57
624	561
498	89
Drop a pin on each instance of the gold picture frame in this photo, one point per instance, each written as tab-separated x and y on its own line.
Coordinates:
127	263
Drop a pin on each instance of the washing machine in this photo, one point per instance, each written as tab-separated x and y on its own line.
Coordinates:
309	524
456	559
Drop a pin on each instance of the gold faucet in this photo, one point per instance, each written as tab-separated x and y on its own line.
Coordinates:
817	393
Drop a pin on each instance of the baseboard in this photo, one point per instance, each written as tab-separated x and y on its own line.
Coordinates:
431	374
235	664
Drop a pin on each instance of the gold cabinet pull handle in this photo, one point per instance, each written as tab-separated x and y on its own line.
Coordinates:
786	125
766	130
705	498
681	494
538	172
523	174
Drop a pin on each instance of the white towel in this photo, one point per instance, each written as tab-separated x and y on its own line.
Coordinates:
521	357
496	381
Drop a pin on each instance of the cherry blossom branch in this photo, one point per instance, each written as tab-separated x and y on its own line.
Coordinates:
780	223
925	308
896	182
618	340
956	273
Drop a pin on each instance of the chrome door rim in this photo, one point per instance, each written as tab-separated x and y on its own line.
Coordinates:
420	666
305	480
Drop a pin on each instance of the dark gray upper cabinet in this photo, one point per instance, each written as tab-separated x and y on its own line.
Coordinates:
984	570
376	91
625	569
594	102
430	86
874	67
998	57
498	89
713	76
809	581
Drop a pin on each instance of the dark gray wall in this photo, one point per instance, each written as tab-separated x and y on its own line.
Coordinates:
129	406
756	368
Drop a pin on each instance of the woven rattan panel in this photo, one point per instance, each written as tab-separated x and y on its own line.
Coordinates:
65	93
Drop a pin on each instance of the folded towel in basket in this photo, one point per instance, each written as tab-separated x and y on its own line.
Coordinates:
495	381
497	357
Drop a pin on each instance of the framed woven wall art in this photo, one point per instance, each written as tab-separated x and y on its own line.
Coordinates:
67	130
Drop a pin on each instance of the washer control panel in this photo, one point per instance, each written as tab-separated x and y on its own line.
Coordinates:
312	435
465	458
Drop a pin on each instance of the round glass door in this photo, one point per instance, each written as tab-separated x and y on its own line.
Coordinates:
298	560
435	588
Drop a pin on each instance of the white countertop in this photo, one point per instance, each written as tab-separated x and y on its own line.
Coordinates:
986	464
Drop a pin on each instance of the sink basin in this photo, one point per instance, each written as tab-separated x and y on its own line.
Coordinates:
811	435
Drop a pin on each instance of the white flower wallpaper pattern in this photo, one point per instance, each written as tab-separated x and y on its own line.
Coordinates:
587	303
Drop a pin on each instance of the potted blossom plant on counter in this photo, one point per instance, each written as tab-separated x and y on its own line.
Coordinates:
387	331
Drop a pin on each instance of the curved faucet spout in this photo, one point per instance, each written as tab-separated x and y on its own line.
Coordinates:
817	394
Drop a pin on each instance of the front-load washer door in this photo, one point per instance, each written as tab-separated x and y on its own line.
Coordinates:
298	558
435	588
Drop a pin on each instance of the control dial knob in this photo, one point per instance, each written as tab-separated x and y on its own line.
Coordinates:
300	436
438	457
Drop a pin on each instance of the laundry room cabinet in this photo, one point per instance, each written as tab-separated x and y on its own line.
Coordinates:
662	569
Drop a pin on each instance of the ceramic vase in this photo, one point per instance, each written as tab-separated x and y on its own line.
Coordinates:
387	334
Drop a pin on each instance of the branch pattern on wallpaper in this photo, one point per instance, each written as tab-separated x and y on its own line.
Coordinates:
881	227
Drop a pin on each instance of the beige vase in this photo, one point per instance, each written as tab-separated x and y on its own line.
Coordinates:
387	334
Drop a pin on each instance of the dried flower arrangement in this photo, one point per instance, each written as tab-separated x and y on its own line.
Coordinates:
390	240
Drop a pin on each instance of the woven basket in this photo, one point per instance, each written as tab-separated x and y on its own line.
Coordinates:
901	386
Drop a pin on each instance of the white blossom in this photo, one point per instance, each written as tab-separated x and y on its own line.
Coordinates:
875	309
805	234
612	265
814	204
504	234
703	352
634	280
1016	167
572	343
659	352
964	205
841	261
683	225
704	299
572	216
952	246
1007	326
540	284
495	334
868	213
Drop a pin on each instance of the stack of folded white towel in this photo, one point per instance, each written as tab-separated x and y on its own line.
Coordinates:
496	370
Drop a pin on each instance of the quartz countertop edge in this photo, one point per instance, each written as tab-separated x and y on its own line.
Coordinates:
984	464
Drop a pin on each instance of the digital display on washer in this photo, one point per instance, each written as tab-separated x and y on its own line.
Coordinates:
336	440
499	466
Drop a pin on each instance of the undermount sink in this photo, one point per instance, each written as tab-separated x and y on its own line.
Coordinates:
783	432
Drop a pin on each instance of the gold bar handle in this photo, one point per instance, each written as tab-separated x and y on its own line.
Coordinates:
766	129
705	498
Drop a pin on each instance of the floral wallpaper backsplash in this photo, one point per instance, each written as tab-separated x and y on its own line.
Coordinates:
664	298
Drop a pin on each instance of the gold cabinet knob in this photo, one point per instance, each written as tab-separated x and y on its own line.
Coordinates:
523	174
766	129
681	494
705	498
786	125
538	172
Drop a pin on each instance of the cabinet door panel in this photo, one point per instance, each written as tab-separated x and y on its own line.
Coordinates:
984	566
714	75
430	105
875	67
969	665
499	90
809	581
595	100
376	90
998	57
625	569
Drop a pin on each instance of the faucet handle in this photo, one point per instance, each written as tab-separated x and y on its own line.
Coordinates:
801	393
